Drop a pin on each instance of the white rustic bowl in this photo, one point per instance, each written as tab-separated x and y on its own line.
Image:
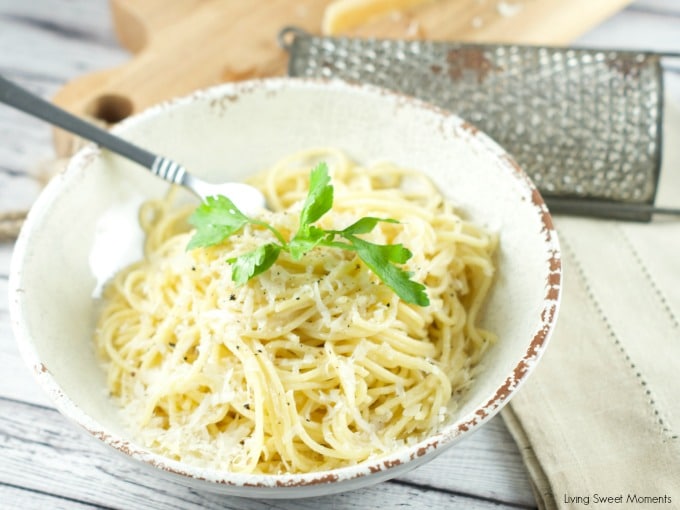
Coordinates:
83	227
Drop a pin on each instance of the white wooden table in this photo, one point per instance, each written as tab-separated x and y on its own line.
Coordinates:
45	462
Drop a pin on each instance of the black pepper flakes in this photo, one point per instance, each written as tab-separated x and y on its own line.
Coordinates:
246	406
232	297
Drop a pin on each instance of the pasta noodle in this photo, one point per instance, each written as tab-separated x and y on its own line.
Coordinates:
314	364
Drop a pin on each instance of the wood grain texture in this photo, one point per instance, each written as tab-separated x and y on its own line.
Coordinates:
20	498
41	452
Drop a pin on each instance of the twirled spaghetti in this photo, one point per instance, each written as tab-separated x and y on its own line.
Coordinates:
315	363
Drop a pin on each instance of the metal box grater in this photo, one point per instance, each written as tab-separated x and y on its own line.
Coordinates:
585	124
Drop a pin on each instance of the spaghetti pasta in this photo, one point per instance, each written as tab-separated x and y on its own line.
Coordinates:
314	364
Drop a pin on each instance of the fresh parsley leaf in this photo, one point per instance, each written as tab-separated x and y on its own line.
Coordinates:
215	219
301	244
379	259
218	218
320	197
365	225
208	235
318	202
246	266
395	253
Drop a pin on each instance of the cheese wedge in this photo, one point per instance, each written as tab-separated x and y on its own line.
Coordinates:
343	15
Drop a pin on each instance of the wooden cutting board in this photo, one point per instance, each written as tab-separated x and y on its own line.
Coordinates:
184	45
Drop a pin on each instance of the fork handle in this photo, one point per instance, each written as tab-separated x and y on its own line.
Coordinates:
21	99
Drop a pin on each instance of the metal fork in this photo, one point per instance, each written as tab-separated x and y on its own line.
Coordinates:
247	198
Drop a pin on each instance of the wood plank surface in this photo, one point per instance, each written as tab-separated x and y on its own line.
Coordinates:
45	461
42	452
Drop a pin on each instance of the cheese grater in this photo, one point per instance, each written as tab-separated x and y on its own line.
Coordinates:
585	124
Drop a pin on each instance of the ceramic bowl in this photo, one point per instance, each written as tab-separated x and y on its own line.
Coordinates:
83	226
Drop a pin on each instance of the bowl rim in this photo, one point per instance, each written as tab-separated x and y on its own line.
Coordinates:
384	464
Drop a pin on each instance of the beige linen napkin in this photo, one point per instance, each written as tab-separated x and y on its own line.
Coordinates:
598	423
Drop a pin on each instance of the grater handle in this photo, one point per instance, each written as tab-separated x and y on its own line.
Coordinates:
622	210
286	36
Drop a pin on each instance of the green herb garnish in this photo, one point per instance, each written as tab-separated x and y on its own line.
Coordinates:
217	218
